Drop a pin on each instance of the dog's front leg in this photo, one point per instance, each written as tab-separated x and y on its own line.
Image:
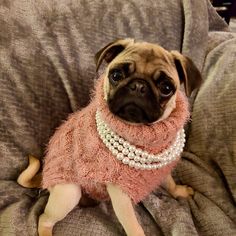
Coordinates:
62	199
176	190
124	210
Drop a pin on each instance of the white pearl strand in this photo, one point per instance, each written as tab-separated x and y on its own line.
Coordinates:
135	157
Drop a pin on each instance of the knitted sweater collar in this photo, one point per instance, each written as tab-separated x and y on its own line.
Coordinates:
153	137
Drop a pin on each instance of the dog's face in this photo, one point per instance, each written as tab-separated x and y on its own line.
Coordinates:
141	79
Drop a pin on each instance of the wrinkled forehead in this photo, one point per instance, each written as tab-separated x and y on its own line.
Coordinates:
147	59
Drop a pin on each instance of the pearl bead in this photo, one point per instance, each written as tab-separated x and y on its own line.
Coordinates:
106	143
121	140
143	167
132	163
137	166
115	144
143	160
137	158
126	144
131	148
120	156
115	152
125	151
149	167
152	157
104	129
144	155
155	166
125	160
131	155
149	160
112	140
120	147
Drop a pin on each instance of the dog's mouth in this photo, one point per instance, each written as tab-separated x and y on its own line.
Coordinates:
135	113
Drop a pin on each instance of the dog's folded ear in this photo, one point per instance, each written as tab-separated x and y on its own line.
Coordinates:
187	71
110	51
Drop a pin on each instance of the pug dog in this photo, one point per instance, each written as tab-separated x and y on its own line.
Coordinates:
140	85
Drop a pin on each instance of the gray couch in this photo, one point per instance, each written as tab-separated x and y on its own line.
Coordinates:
47	71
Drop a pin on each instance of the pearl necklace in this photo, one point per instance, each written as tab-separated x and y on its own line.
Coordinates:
128	154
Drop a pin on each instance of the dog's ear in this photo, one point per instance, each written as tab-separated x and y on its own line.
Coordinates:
187	71
110	51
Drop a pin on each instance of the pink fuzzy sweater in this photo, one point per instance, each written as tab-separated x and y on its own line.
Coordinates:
76	153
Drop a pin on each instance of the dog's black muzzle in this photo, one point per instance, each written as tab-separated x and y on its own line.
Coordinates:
135	102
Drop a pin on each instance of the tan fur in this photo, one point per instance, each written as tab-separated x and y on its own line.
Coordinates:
170	106
147	60
29	177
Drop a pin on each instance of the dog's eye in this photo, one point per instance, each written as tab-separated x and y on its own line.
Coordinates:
166	88
116	75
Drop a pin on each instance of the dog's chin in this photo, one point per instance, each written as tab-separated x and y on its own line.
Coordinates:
132	113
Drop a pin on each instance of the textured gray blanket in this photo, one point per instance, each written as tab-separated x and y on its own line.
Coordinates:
47	71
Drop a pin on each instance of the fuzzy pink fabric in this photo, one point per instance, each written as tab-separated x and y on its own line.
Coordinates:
76	154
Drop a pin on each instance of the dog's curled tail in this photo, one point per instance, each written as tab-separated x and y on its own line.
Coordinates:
29	177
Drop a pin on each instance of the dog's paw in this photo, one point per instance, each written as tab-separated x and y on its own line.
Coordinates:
136	232
139	233
182	191
44	227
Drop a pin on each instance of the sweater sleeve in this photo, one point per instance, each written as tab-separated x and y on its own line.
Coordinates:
58	167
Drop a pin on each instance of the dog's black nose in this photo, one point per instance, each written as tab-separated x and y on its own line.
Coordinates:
139	87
